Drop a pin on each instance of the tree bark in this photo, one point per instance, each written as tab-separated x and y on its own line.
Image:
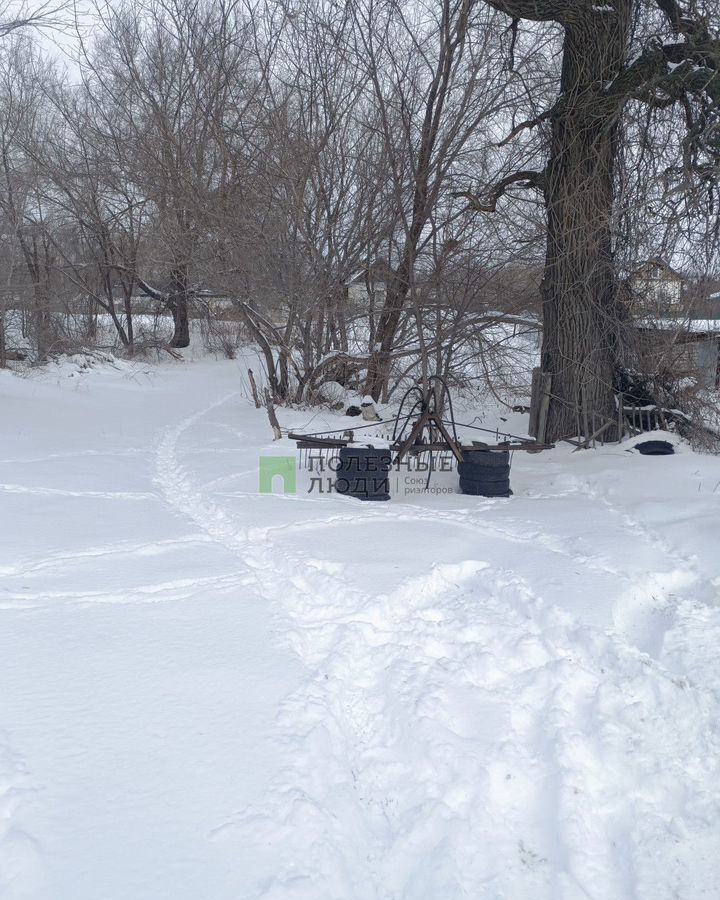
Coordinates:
580	312
381	353
178	306
254	389
270	407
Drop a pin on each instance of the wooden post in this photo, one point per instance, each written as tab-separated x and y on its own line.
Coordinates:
534	402
254	389
539	404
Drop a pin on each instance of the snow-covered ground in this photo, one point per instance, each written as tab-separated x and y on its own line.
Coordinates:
208	692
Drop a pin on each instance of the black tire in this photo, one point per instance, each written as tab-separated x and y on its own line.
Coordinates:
476	489
487	457
483	474
364	487
655	448
363	459
362	472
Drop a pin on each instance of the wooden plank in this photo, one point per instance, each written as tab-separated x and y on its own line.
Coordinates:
309	441
314	445
421	448
584	444
535	401
253	386
543	406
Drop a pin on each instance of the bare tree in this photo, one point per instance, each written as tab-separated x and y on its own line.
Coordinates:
656	52
433	71
169	85
317	212
23	116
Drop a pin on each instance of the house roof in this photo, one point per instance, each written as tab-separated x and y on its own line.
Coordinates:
376	272
655	263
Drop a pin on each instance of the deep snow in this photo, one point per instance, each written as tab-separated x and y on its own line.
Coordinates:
209	693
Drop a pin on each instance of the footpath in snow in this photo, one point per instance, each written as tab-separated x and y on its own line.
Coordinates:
209	692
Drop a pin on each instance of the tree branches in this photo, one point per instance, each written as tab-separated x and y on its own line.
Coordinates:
46	15
527	124
683	22
541	10
526	178
670	72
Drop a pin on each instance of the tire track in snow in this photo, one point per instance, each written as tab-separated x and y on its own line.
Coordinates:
180	492
73	454
156	592
177	492
128	548
61	492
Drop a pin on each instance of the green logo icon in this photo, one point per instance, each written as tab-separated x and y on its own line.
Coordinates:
284	466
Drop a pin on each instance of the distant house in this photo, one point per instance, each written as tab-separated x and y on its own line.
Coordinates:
655	285
687	348
712	305
699	299
368	285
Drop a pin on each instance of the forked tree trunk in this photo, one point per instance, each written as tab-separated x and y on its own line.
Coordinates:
580	314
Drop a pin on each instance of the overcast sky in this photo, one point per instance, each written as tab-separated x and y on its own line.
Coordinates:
60	42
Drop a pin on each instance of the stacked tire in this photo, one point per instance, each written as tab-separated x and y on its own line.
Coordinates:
362	472
485	473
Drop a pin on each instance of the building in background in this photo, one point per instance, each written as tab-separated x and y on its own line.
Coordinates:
656	288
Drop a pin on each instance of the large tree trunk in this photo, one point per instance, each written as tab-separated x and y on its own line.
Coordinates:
380	364
181	331
381	353
178	305
580	315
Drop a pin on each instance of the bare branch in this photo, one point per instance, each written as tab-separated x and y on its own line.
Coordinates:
681	21
152	292
673	69
542	10
528	123
45	16
527	178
